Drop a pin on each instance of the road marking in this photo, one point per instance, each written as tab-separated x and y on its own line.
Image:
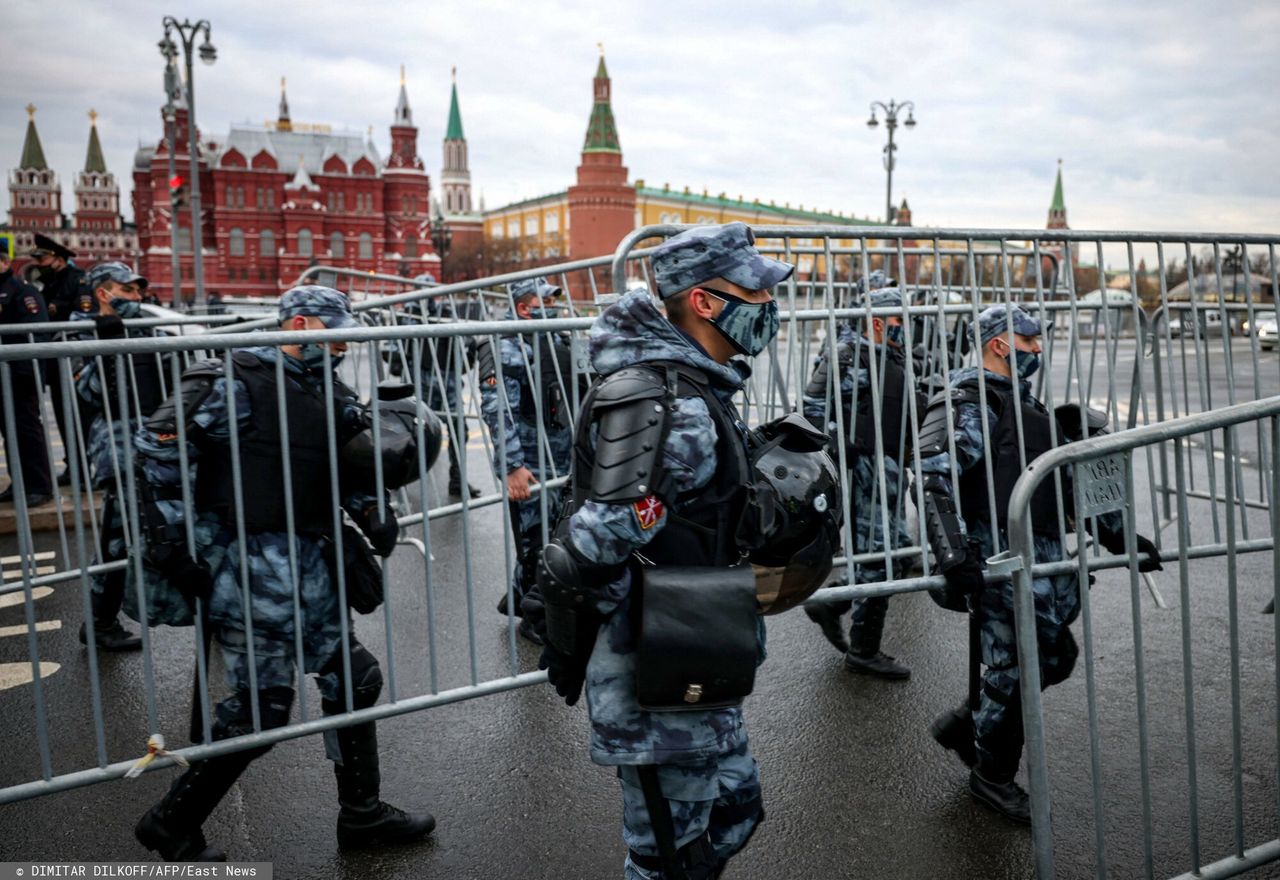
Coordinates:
14	675
42	556
12	575
37	593
41	626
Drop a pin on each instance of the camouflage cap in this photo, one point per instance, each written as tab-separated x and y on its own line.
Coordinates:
994	320
886	298
876	280
706	252
120	273
541	286
331	306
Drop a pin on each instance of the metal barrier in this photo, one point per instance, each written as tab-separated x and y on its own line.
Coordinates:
424	333
1104	465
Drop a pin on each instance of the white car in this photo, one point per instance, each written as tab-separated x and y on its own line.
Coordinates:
1267	333
1260	317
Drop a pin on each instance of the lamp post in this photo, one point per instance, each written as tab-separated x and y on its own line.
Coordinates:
172	91
187	33
442	238
891	111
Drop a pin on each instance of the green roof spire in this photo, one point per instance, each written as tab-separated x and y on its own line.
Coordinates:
32	152
454	131
602	134
93	161
1058	203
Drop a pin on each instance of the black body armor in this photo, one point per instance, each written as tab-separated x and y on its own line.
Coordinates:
555	373
1007	463
625	464
261	456
860	435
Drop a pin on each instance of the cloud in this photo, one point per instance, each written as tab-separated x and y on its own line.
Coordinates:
1160	112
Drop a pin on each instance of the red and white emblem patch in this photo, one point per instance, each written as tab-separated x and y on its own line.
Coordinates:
648	511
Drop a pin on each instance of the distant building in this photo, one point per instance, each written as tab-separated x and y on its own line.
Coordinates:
96	232
281	197
589	218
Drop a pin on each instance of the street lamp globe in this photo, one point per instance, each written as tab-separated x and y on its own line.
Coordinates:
167	48
208	54
872	122
911	121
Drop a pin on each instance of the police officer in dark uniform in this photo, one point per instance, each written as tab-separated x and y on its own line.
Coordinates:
988	736
447	361
65	293
661	472
20	303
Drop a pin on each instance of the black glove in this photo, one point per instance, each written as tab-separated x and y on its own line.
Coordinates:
187	575
1114	542
109	326
566	674
965	578
382	531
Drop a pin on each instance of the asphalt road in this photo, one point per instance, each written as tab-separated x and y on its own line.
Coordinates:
854	785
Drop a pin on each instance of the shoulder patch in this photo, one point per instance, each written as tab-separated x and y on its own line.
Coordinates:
31	305
648	511
86	305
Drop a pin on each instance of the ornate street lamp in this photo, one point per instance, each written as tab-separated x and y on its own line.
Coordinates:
187	32
442	238
891	111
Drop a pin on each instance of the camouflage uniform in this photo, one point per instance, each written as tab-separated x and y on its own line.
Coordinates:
997	720
271	584
110	420
867	497
704	759
445	362
282	611
515	443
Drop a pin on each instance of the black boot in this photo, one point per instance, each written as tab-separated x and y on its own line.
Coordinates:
864	655
1007	798
364	820
953	730
172	827
827	617
111	637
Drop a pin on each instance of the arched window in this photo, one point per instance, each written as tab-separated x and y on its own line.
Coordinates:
304	242
235	242
337	245
266	243
366	246
411	246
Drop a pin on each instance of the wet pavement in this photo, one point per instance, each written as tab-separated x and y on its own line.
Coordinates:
854	786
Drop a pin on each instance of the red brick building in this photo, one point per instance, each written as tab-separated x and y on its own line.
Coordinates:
281	197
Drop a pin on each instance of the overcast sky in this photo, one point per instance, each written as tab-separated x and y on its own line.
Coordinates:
1164	114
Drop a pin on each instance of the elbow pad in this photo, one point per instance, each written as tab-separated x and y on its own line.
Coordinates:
943	524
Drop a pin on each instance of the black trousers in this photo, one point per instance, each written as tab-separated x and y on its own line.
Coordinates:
53	381
30	447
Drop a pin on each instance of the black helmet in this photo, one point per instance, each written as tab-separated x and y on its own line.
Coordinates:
398	423
798	512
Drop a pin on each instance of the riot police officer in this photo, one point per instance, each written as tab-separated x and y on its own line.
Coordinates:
107	415
883	341
536	387
663	405
447	361
173	826
988	737
65	293
20	303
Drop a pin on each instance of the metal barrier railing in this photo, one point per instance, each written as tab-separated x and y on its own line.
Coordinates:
1114	454
423	334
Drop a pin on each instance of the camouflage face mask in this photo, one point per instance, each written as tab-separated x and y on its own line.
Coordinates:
748	326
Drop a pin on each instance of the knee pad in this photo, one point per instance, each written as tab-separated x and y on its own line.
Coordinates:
366	680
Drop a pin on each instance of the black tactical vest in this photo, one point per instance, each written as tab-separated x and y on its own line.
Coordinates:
555	373
703	524
1007	463
893	382
143	377
261	457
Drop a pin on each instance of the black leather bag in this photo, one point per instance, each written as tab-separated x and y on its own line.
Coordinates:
696	646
